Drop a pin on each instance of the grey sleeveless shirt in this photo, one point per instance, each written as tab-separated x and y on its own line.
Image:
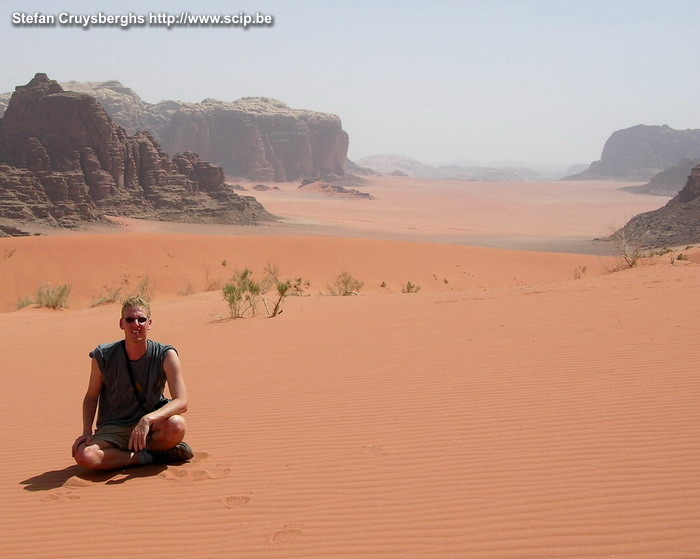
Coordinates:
118	404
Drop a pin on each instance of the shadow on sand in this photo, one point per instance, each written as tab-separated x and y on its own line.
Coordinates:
59	478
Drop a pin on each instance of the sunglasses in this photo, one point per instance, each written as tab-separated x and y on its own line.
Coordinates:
139	319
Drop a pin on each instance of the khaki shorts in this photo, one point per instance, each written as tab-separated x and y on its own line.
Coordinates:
118	435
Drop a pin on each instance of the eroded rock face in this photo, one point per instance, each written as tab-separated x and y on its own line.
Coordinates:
640	152
255	137
125	106
66	162
259	138
675	224
668	182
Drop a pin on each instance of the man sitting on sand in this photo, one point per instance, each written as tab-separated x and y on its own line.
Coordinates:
136	424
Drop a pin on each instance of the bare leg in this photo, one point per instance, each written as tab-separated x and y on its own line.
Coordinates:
167	433
102	455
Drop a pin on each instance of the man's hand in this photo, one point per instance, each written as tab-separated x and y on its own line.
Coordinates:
139	436
87	439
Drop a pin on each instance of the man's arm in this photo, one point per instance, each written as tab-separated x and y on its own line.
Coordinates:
90	400
176	406
176	387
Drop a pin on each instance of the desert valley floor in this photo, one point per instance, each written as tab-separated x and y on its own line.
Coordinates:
526	402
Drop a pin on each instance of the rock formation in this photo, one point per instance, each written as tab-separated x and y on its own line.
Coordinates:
675	224
640	152
260	138
255	137
66	162
668	182
352	168
333	190
125	106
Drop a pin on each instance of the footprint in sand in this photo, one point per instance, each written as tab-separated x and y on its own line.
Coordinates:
60	496
219	471
287	534
199	456
236	501
174	474
180	472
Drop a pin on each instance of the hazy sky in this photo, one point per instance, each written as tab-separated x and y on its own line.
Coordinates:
539	81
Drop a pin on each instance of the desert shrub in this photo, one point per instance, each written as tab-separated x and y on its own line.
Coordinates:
24	302
118	293
144	289
299	286
344	285
661	252
52	297
628	248
110	294
242	294
189	289
681	256
281	289
410	288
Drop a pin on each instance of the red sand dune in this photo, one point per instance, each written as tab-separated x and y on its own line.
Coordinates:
513	411
94	265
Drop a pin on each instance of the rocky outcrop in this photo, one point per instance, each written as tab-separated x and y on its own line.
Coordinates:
255	137
333	190
259	138
53	199
640	152
125	106
66	162
675	224
668	182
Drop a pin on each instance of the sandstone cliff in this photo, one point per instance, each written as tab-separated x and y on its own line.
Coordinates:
255	137
675	224
66	162
260	138
640	152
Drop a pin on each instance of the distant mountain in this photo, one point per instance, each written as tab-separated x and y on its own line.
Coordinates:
400	165
255	137
481	173
354	169
388	164
575	169
64	163
640	152
668	182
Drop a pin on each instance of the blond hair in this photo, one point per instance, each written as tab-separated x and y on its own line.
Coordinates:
136	302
